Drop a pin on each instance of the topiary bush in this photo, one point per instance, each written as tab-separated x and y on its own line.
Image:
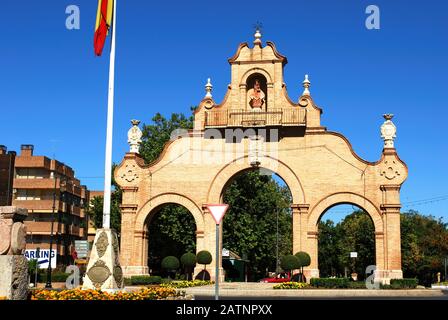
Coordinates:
304	261
330	283
204	257
289	262
188	260
304	258
170	263
144	280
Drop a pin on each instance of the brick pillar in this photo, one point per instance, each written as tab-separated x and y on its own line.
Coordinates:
379	250
304	239
392	234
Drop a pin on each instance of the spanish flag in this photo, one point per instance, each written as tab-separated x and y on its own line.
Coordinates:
103	24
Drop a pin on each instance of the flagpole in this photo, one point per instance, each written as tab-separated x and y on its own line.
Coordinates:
110	120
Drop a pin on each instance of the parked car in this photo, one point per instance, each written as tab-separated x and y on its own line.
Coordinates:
284	277
278	278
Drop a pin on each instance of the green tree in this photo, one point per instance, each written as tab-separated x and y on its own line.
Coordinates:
157	134
328	254
424	245
249	227
356	233
95	207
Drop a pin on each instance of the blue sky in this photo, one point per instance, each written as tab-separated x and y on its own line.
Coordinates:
53	90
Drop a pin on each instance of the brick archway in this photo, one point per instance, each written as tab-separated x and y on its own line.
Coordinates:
332	200
231	169
320	167
137	255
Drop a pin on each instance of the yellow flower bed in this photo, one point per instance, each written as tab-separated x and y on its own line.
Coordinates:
186	284
78	294
291	285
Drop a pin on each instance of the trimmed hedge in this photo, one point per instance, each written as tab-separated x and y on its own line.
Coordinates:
55	277
330	283
357	285
143	280
406	283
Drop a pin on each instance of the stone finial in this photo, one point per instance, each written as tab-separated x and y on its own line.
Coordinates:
257	36
135	136
306	85
208	89
388	131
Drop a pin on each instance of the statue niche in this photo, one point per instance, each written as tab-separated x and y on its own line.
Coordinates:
257	92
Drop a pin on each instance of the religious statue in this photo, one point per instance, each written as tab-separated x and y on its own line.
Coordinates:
256	96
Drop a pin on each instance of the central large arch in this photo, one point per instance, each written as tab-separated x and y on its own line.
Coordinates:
233	168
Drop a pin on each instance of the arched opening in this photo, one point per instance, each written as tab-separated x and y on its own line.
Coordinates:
257	92
257	229
346	242
171	231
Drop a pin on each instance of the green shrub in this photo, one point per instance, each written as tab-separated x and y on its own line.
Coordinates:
204	257
291	285
170	263
144	280
407	283
289	262
304	258
127	282
357	285
55	276
188	260
330	283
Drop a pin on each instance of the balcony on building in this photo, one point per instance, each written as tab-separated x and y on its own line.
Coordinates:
243	118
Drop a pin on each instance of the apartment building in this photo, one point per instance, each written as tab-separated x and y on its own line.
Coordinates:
6	175
53	196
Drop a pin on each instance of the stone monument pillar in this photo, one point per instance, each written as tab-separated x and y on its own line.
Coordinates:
13	264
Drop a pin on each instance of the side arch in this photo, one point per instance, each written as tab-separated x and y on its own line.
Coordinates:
345	198
240	164
167	198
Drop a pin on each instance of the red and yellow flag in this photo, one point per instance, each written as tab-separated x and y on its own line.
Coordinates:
103	24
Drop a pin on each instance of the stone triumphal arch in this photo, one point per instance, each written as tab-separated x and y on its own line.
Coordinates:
257	126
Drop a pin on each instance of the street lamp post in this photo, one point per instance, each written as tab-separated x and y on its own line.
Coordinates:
48	284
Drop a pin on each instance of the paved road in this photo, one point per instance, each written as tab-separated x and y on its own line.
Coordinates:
262	291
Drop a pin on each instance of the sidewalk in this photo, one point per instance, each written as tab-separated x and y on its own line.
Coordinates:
253	290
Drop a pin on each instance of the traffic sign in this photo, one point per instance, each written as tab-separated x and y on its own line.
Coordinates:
42	256
218	211
82	248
